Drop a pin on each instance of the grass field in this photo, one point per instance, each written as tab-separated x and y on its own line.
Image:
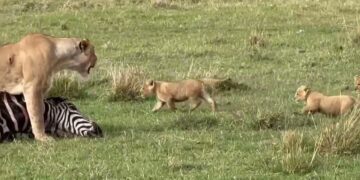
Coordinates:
272	46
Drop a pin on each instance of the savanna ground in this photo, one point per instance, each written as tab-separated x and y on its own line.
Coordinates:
271	46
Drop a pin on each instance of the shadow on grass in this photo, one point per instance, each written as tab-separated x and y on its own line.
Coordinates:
175	164
182	122
193	122
114	129
278	121
185	167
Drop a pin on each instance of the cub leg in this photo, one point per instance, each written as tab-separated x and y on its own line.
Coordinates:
5	134
171	105
347	108
209	100
158	105
195	102
308	110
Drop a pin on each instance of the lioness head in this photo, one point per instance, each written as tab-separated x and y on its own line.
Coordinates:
85	59
301	93
357	82
148	89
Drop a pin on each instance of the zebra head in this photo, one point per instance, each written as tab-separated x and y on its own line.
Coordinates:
63	118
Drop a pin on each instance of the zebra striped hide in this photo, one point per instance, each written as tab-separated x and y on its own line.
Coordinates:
62	118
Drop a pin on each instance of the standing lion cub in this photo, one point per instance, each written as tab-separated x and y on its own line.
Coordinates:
171	92
329	105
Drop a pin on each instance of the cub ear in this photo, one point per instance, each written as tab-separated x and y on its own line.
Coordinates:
84	44
150	82
303	88
306	89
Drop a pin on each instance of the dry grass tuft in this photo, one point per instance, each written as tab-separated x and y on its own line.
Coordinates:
126	83
175	164
342	137
257	40
214	78
85	4
278	121
356	39
67	85
161	3
257	47
200	72
216	85
34	6
294	157
274	121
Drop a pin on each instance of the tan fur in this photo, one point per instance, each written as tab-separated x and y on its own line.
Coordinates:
171	92
329	105
357	82
28	65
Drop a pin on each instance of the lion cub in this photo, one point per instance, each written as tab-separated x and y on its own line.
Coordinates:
357	82
171	92
329	105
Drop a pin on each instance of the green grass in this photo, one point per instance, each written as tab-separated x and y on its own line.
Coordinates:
312	43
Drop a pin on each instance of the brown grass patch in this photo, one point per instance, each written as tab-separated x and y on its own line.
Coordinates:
126	83
257	39
356	39
342	137
217	85
294	157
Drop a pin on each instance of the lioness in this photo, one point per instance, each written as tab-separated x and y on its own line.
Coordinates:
329	105
28	65
171	92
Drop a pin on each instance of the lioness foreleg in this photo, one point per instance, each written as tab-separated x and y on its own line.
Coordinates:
34	102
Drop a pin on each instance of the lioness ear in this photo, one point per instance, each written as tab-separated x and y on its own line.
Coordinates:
83	45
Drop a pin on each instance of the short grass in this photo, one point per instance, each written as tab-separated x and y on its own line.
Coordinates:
272	46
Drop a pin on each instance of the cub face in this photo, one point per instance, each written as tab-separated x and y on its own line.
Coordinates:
357	82
86	59
148	89
301	93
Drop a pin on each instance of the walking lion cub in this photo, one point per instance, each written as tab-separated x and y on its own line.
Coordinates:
318	102
171	92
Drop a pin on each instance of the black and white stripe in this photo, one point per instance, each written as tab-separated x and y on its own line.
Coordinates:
61	117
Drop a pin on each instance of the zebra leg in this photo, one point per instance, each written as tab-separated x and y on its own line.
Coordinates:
5	133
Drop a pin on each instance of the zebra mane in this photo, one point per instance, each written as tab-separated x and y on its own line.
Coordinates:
56	100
